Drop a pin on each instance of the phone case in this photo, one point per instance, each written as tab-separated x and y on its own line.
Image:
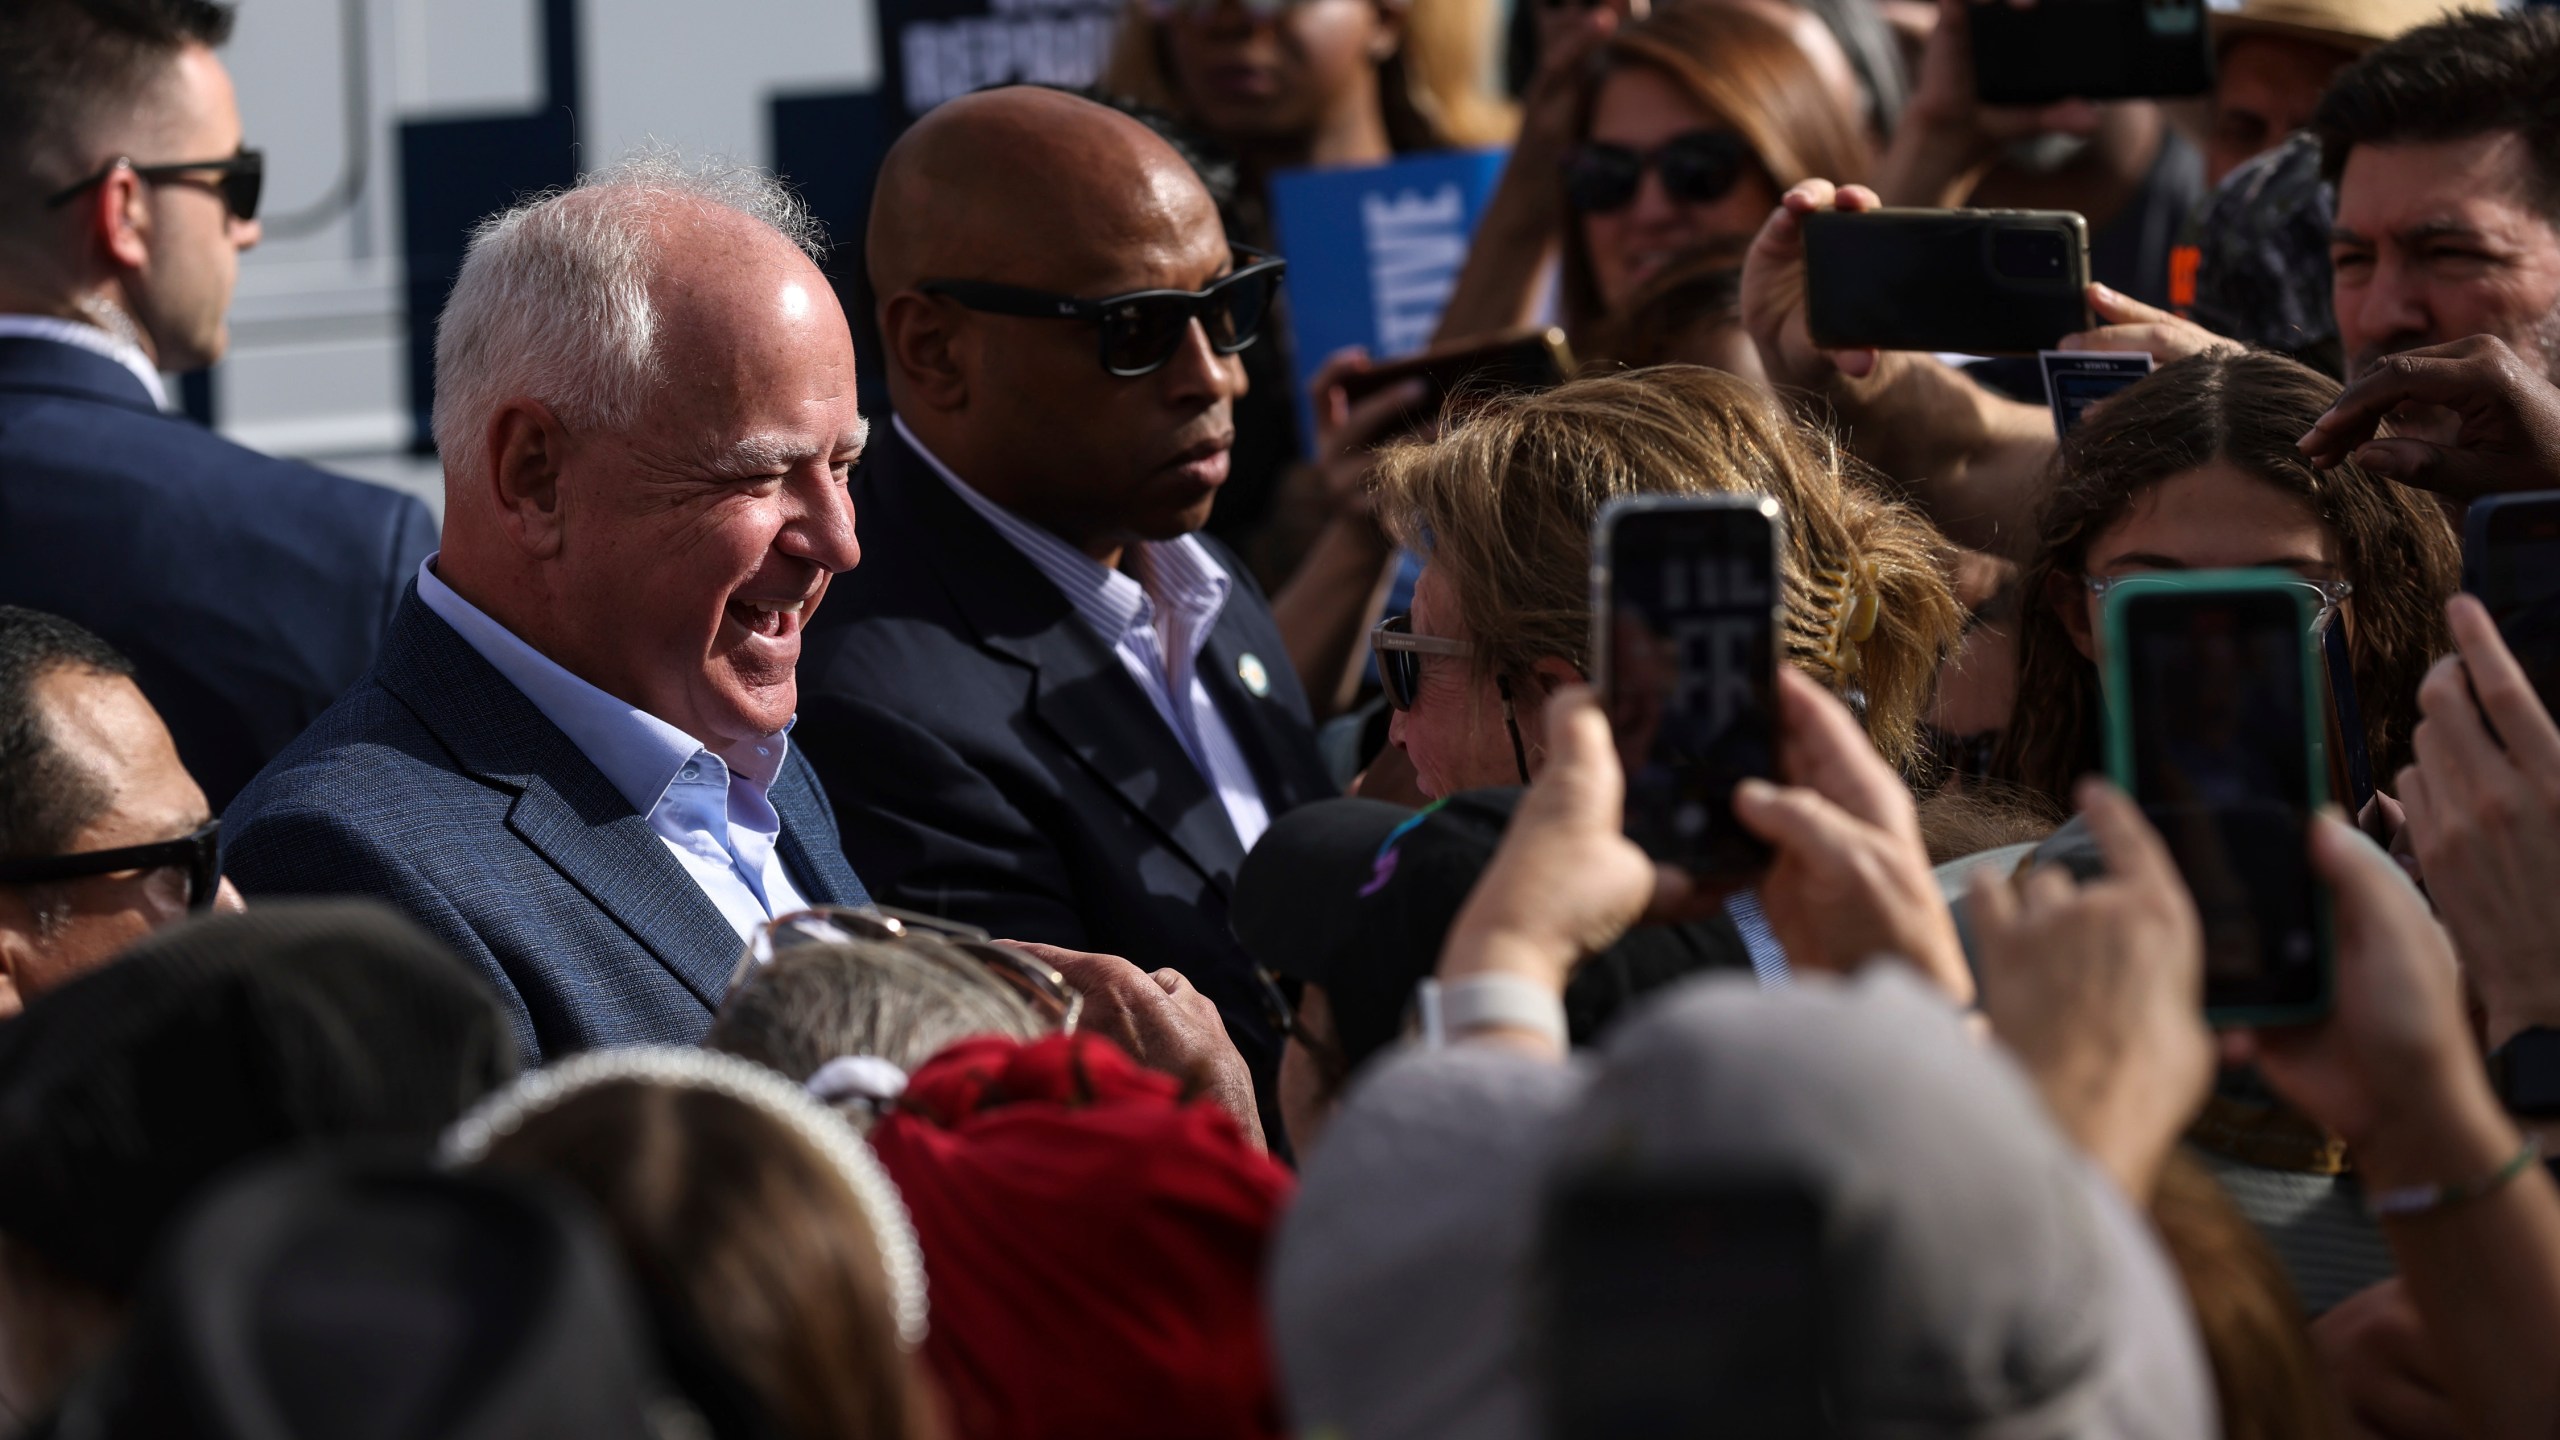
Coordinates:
1942	280
2090	50
2120	765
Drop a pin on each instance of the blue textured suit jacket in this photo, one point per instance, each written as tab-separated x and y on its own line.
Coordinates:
992	760
436	786
249	591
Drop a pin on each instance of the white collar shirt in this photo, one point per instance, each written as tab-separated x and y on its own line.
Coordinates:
714	817
1157	622
92	339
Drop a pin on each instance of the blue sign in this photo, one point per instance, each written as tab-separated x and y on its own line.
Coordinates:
1374	252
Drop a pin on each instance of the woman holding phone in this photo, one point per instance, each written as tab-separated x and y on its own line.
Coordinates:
2196	468
1643	143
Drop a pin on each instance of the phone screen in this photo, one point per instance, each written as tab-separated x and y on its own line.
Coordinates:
1688	635
1672	1305
2519	580
2222	763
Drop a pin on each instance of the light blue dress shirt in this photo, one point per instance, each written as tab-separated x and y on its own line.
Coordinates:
714	817
1157	623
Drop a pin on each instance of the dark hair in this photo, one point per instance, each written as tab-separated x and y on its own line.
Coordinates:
46	794
1699	291
2459	77
65	62
2248	408
744	1240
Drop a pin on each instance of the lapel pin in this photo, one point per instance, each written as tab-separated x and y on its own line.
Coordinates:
1256	679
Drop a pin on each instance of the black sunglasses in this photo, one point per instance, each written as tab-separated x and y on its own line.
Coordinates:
238	179
1700	167
1142	330
200	853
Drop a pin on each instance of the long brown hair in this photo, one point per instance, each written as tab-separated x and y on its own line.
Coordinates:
1746	72
2248	409
1502	504
1431	89
740	1231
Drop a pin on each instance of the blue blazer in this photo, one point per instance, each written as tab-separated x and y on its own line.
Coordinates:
249	591
436	786
992	760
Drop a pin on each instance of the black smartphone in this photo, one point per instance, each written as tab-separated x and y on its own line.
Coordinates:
2089	50
2511	560
1685	606
1671	1306
1534	359
1973	282
2215	711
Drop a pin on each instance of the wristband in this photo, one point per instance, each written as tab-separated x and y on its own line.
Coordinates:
1488	1002
2408	1200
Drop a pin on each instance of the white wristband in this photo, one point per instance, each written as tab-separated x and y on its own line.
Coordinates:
1488	1002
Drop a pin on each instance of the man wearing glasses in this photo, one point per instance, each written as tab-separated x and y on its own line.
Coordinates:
103	835
248	591
1045	705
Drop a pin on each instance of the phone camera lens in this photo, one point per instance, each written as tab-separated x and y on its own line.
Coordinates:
2028	254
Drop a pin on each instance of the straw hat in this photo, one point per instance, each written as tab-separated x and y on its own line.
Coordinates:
2356	25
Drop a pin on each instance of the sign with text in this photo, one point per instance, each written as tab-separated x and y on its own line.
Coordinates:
933	50
1374	252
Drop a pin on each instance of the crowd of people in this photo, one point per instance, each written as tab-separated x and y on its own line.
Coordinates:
983	920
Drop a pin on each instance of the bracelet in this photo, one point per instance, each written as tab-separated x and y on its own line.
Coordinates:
1488	1002
2408	1200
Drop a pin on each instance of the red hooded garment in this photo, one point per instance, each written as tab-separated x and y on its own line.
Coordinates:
1093	1245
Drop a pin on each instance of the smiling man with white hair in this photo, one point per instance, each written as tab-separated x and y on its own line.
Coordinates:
572	762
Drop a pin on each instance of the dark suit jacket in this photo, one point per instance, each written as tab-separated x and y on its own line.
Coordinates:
249	591
992	761
436	786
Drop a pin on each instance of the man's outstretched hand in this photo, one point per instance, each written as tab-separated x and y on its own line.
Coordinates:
2493	424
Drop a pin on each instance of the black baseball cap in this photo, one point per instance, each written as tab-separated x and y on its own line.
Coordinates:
346	1294
1357	895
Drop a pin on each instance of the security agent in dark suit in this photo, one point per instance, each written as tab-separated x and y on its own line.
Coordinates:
248	591
1045	705
574	762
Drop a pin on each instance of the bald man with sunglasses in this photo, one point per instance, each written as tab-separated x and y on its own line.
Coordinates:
1044	704
248	591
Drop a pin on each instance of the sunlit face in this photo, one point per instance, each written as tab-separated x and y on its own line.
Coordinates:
103	722
2215	517
1454	733
182	297
1100	459
1250	80
695	546
2440	241
1640	108
2265	88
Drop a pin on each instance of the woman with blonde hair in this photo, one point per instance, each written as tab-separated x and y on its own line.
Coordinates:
1501	506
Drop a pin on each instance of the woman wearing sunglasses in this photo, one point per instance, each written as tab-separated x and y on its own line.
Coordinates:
1643	143
1501	508
2196	469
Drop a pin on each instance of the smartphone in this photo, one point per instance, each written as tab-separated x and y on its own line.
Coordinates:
1972	282
1533	359
2511	560
1686	601
2215	706
2089	50
1675	1306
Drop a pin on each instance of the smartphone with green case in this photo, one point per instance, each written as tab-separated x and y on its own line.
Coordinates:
2215	724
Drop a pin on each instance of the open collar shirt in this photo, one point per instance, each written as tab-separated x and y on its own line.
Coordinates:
714	816
1156	621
